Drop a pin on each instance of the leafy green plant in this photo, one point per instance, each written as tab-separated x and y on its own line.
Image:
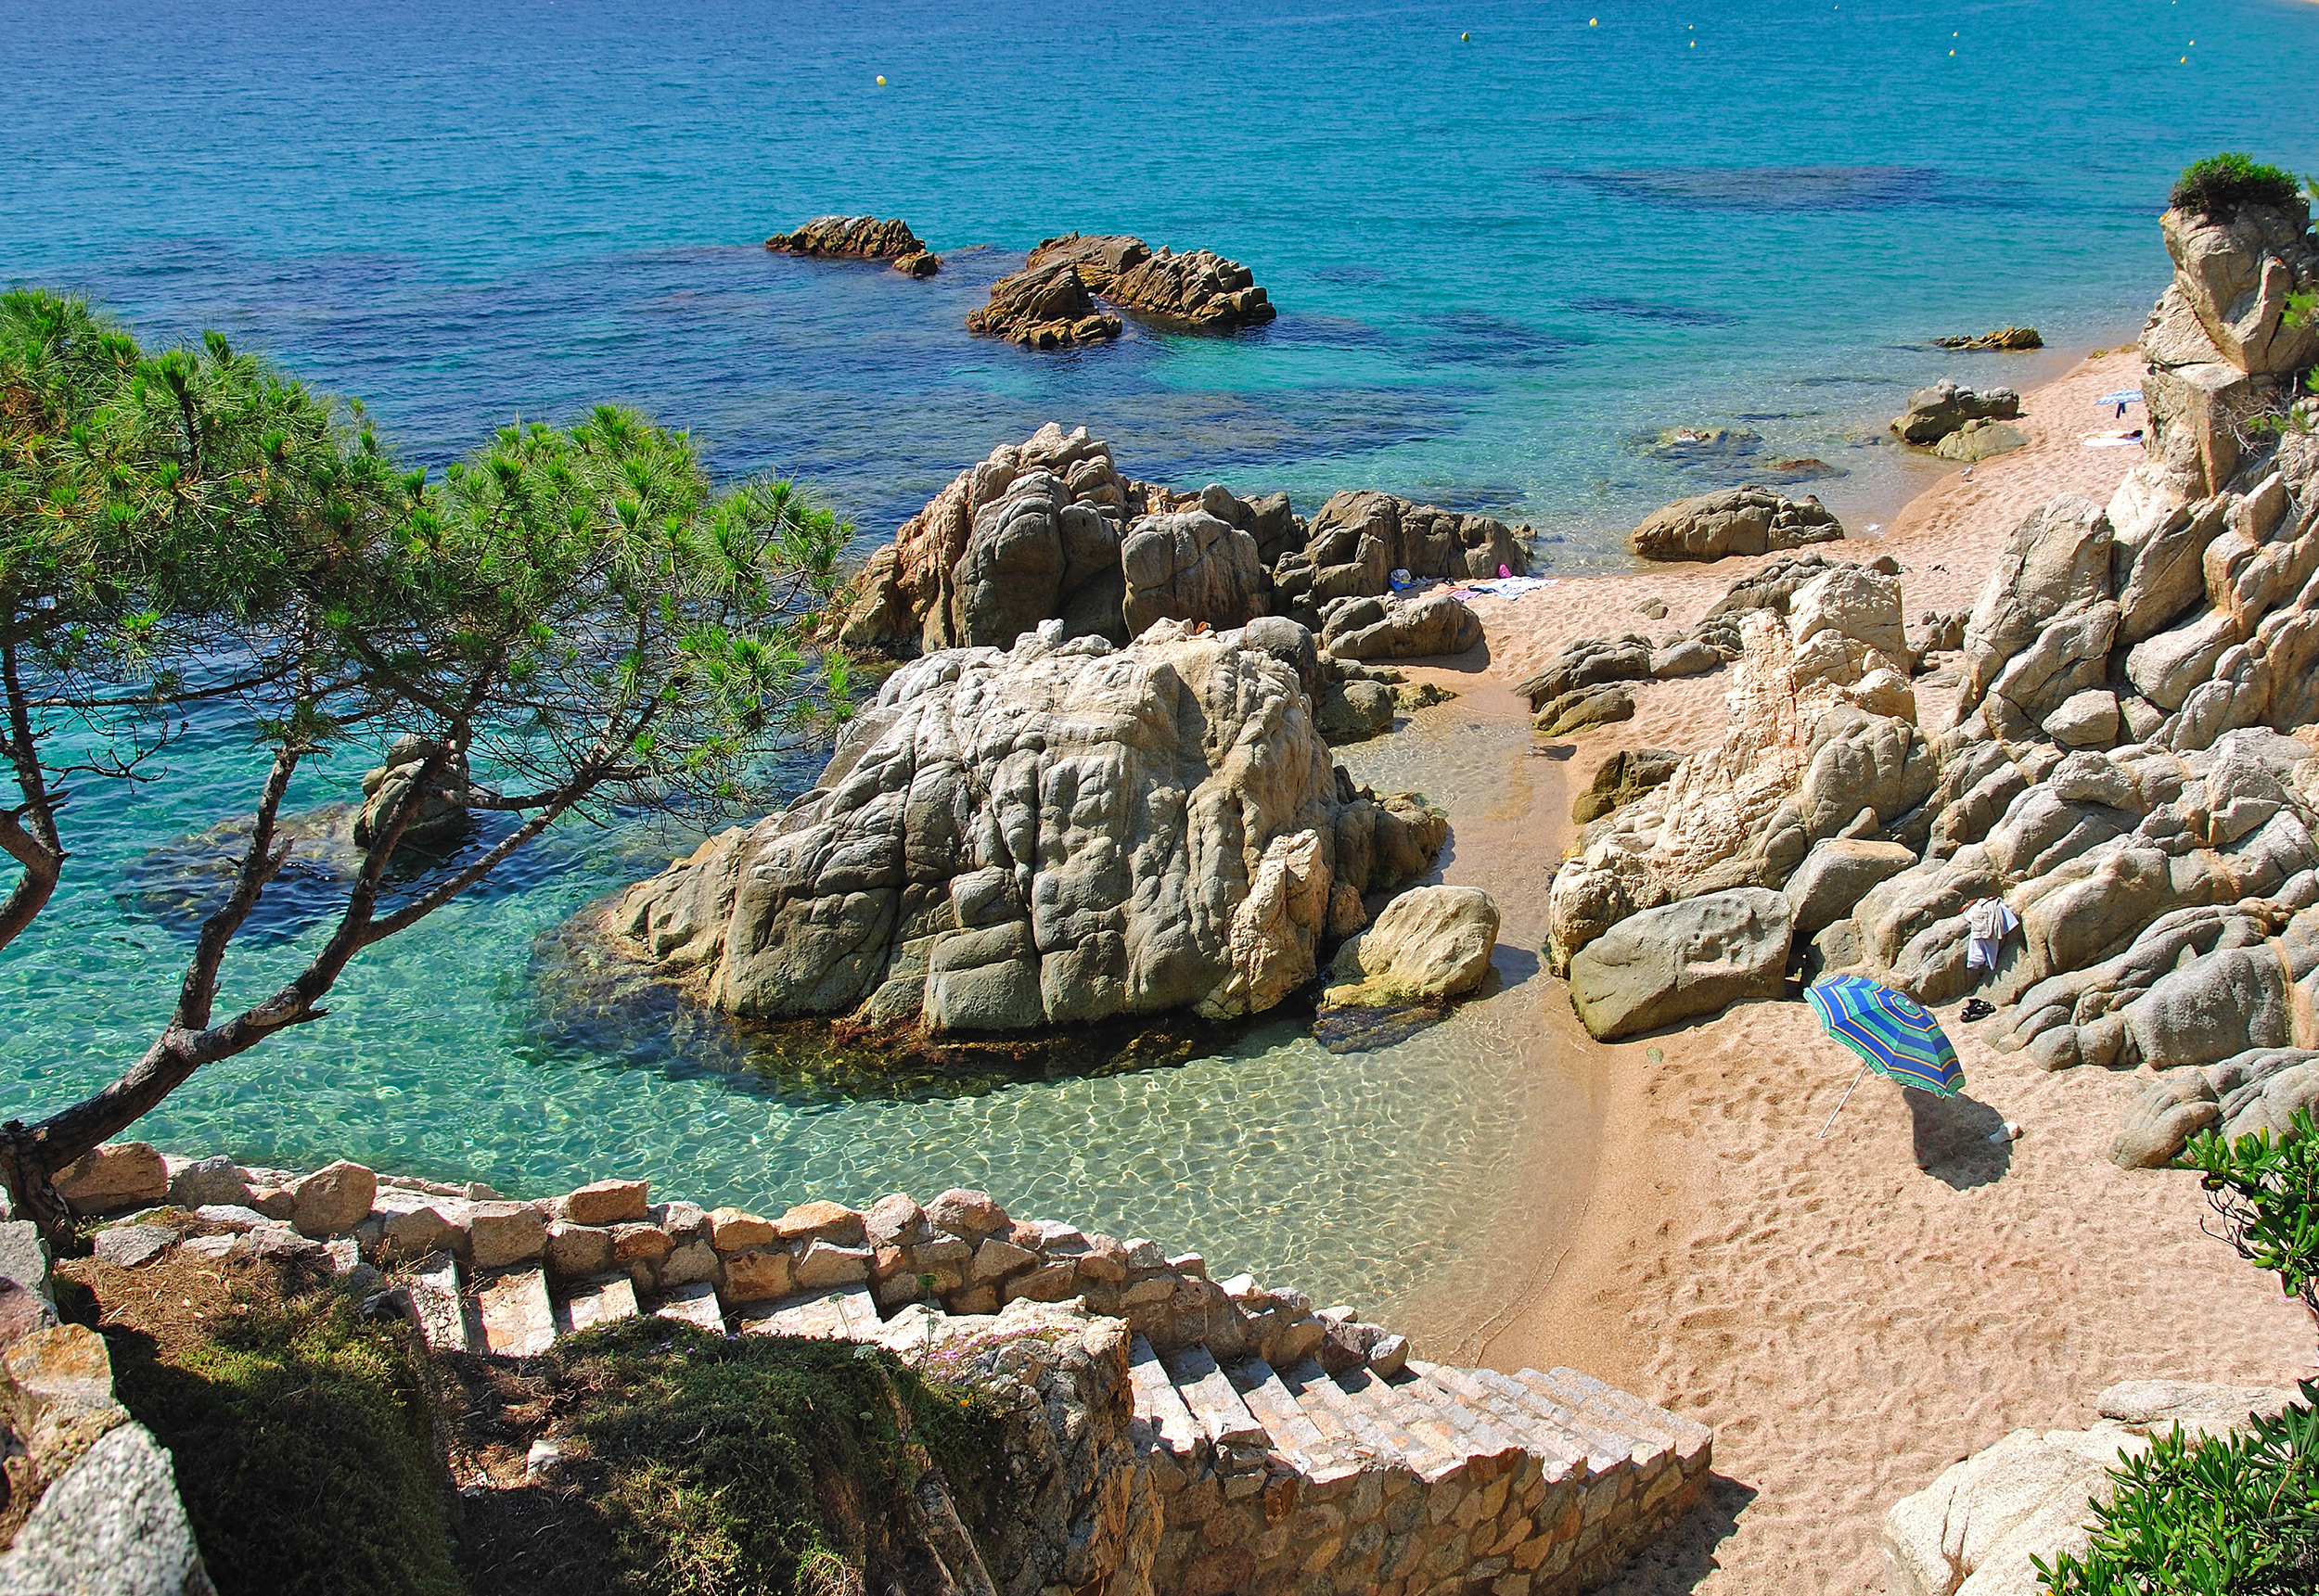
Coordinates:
2221	183
2265	1195
2219	1516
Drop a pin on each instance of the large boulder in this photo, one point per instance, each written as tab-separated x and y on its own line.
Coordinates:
1934	413
1042	307
1432	626
2057	563
1834	878
1060	833
1588	663
1191	566
1620	779
1430	945
1734	521
1682	960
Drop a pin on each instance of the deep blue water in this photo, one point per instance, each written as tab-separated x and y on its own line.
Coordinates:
1501	262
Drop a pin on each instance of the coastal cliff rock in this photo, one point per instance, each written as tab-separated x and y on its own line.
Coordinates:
859	238
1198	289
1060	833
1934	413
1191	566
1734	521
2218	344
1042	307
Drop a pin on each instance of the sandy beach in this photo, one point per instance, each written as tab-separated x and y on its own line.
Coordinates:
1850	1314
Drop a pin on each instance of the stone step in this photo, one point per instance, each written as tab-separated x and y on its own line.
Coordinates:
848	1315
1299	1440
1416	1431
1216	1406
695	1304
1156	1403
1348	1424
1516	1407
518	1320
437	1305
1610	1446
599	1300
1687	1437
1477	1432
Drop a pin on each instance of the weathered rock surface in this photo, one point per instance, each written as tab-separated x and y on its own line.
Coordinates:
113	1524
1199	289
1428	945
1429	626
1360	539
1682	960
1191	566
1043	307
1588	663
117	1175
1734	521
1980	441
2007	338
1061	833
441	818
1973	1531
1620	779
1834	878
1582	708
1934	413
1030	534
858	238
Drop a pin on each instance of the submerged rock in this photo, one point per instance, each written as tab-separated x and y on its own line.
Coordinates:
1057	833
1735	521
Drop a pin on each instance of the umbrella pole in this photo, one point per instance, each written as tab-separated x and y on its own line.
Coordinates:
1841	1102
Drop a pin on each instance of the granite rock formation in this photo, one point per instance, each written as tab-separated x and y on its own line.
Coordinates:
1359	539
1430	945
1934	413
2007	338
1198	289
1060	833
1042	307
1734	521
859	238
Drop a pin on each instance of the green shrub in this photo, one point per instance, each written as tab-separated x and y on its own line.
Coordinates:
2222	1517
2266	1195
758	1465
302	1435
2221	183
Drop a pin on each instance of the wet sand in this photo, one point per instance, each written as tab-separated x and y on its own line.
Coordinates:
1852	1314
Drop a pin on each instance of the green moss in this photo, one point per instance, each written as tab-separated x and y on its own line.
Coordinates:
302	1435
2221	183
734	1467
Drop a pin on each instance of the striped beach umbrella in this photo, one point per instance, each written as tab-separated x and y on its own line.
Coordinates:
1892	1035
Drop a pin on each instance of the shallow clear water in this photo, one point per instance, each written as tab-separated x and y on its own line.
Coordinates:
1503	262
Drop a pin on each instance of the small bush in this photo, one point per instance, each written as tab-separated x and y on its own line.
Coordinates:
2221	183
2266	1195
2222	1517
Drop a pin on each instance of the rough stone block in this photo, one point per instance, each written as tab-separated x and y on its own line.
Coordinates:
113	1517
692	1262
607	1203
504	1233
205	1181
830	1222
896	1220
126	1246
683	1222
825	1266
757	1274
967	1215
995	1260
730	1230
1049	1282
117	1175
334	1198
576	1251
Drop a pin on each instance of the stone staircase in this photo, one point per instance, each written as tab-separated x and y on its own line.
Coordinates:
1425	1479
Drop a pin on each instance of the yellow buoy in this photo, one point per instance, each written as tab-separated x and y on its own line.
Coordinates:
1591	21
881	80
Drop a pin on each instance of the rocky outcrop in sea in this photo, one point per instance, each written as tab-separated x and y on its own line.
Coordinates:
859	238
1051	529
1198	289
2131	766
1058	833
1042	307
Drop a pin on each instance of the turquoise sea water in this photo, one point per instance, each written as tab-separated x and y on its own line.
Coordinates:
1503	262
